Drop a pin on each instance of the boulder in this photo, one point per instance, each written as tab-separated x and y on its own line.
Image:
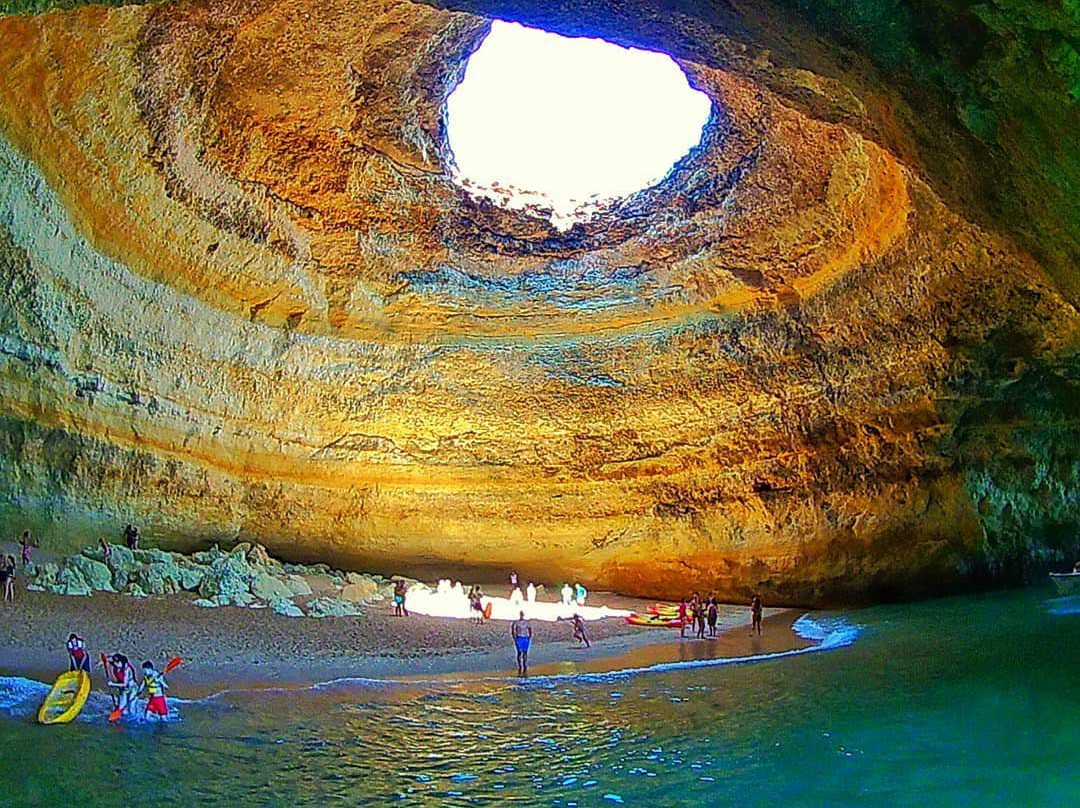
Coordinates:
241	549
136	591
94	573
267	587
191	577
228	576
208	557
205	603
359	590
286	608
298	587
68	582
332	607
258	556
158	578
152	555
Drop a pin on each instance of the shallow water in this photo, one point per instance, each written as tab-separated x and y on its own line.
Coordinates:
963	701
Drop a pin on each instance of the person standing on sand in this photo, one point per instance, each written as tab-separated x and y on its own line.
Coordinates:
400	590
24	543
476	605
755	615
580	593
567	594
78	659
711	615
530	592
131	537
9	588
521	631
7	578
699	619
684	616
513	582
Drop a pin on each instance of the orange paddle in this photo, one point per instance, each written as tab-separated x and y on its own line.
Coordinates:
172	664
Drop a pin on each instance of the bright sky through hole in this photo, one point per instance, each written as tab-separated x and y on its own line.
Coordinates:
578	120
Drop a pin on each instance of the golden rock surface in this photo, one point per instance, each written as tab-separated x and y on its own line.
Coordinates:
242	297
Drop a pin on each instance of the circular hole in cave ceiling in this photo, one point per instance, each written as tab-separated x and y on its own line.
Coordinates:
566	124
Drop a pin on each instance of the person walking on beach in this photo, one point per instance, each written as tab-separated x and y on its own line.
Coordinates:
24	543
131	537
521	631
400	590
755	615
155	686
711	614
78	659
579	631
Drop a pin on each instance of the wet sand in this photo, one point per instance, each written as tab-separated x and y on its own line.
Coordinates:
237	647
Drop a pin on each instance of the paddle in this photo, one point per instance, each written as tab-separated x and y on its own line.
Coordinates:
172	665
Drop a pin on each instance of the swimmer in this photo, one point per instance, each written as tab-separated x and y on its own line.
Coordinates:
521	631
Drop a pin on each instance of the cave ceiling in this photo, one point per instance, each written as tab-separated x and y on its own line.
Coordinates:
831	356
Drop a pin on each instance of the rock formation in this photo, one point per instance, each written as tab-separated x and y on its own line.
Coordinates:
242	298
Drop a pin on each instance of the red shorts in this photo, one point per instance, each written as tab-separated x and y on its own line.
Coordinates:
157	706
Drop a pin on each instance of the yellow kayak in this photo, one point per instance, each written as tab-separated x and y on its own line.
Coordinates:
66	699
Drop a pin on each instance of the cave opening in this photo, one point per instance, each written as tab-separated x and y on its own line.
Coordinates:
564	125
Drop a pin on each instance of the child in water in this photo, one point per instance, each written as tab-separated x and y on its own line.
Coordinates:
155	686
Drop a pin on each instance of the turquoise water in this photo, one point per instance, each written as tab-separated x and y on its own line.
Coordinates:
964	701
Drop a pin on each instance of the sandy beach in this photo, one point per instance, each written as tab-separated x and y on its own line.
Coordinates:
230	647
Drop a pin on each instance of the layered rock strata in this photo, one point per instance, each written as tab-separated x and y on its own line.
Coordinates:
243	298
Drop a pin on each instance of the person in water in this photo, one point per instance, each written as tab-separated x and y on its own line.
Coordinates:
755	615
78	658
521	631
122	683
155	686
400	590
24	543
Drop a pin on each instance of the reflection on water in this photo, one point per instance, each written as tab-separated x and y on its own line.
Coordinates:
956	702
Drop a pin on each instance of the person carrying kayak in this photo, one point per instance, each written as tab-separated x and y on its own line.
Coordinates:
155	686
78	659
122	681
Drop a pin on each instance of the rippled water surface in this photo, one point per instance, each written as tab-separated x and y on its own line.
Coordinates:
957	702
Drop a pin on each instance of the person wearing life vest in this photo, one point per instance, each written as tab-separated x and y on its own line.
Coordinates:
122	682
78	659
155	686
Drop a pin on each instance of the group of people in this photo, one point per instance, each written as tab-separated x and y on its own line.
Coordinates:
124	686
570	595
697	613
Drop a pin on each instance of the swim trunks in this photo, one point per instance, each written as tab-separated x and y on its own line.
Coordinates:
522	644
157	706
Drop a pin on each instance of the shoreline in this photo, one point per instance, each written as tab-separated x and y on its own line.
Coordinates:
237	648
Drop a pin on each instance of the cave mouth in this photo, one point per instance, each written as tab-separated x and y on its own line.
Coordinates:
563	125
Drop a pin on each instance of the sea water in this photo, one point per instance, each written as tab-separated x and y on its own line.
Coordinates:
958	702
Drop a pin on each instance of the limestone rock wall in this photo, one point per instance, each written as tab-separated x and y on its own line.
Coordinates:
240	297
